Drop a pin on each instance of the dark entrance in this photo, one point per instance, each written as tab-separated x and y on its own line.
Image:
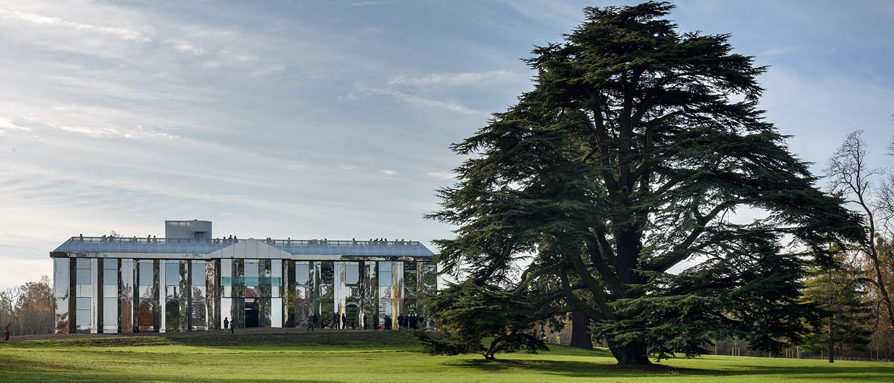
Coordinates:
251	313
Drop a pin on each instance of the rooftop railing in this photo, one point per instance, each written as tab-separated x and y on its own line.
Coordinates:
204	246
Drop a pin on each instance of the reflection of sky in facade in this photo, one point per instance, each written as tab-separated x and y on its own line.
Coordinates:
333	118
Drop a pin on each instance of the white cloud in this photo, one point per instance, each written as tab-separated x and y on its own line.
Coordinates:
5	123
185	46
371	3
446	176
37	19
388	172
268	70
420	101
455	79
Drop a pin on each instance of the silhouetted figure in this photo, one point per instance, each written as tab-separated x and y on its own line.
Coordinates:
226	325
6	332
312	322
413	321
387	322
375	323
365	322
344	321
233	326
335	319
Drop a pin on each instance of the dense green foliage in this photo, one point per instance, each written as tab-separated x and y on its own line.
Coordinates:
469	313
613	183
373	357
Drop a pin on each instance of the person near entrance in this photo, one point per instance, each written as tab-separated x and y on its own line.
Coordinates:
312	322
226	325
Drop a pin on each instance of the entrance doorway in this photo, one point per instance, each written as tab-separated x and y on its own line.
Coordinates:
251	313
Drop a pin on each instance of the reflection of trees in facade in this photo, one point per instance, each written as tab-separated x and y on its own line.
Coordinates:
126	295
147	315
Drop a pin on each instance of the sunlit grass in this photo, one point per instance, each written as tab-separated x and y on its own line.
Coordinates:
375	357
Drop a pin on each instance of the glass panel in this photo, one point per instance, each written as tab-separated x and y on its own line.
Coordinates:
276	312
148	316
251	270
301	273
147	273
264	312
61	290
238	319
212	304
327	294
110	271
198	274
384	274
276	278
82	315
125	295
327	272
370	295
226	311
82	303
429	277
409	280
352	273
110	314
302	296
172	273
197	315
83	271
226	279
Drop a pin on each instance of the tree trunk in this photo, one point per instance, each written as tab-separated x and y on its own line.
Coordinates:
831	341
634	354
580	332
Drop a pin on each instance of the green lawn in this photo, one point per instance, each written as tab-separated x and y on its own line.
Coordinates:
374	357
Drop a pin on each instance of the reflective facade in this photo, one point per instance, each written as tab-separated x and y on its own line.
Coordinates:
112	285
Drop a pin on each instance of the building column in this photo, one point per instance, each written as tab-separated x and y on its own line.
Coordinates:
94	301
162	295
61	295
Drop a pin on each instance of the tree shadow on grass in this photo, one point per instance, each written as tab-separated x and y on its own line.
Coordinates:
583	369
879	372
10	363
88	376
579	369
351	339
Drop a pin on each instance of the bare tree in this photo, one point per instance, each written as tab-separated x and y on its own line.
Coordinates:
850	175
28	309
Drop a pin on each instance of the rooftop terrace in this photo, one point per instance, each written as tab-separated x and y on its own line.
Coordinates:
80	244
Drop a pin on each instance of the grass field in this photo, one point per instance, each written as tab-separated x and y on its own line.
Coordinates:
374	357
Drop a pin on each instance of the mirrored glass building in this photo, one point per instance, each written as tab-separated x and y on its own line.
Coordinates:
191	281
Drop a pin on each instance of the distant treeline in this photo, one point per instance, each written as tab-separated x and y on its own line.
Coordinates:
28	309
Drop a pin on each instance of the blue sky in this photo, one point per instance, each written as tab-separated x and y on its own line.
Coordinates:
312	119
